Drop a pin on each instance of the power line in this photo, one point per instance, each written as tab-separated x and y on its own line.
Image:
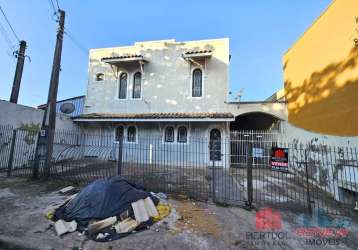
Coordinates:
52	6
55	12
77	43
11	47
6	36
8	22
58	6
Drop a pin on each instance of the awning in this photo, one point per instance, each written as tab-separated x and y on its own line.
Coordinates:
197	54
156	117
124	59
117	62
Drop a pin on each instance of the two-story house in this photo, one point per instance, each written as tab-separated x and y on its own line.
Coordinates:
175	91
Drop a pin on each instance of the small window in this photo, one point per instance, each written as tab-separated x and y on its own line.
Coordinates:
169	134
197	84
123	86
182	135
119	133
137	82
131	134
100	77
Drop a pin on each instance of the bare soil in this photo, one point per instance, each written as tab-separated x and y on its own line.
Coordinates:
195	217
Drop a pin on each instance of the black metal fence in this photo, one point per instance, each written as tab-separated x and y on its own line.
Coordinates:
318	176
17	150
234	170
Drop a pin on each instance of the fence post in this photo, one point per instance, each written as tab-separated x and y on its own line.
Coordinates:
12	150
249	175
213	174
309	207
40	143
119	165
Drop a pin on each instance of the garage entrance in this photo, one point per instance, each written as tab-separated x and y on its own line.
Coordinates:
259	128
255	121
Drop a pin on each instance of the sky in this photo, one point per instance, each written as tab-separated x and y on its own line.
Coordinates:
260	33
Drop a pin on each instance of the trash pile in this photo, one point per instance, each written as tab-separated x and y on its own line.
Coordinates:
109	209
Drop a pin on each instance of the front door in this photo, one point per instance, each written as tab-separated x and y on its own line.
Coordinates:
215	145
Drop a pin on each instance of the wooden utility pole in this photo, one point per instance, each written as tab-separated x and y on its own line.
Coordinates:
249	175
46	136
18	73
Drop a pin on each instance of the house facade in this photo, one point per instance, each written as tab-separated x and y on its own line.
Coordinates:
175	92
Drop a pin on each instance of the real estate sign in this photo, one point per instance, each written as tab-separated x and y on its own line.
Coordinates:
279	159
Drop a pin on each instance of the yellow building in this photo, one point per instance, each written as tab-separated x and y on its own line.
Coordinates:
321	73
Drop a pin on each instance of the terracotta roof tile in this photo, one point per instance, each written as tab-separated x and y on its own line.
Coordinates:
191	52
156	116
122	57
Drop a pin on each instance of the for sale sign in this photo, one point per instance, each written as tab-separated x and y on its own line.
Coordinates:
279	159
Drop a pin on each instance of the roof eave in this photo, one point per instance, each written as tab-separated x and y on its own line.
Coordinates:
153	120
198	55
124	60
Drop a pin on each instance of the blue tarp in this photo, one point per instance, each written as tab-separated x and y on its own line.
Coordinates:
99	200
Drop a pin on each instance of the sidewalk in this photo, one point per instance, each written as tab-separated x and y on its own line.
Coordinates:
201	226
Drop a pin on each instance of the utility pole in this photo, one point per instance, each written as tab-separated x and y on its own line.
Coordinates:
46	137
18	73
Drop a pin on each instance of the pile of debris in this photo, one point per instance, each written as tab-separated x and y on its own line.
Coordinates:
109	209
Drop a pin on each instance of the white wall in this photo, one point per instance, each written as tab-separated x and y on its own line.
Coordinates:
291	133
17	115
166	82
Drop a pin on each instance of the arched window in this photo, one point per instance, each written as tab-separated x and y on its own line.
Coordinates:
197	84
137	82
215	145
182	134
131	134
169	134
99	77
119	133
123	86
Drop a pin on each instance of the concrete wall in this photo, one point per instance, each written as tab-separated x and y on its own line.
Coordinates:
321	73
332	160
166	80
27	120
17	115
292	133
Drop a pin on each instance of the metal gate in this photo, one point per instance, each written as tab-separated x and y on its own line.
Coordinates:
17	147
318	176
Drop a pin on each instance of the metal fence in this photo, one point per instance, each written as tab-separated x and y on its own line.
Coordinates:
318	176
17	150
231	170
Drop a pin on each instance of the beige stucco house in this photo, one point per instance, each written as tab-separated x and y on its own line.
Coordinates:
176	91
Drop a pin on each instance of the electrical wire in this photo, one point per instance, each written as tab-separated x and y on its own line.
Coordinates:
55	12
8	22
77	43
67	33
52	6
58	6
6	37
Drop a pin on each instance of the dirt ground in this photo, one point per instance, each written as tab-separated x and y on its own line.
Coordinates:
197	218
191	225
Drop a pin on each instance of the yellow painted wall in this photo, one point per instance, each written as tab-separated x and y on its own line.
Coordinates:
321	73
